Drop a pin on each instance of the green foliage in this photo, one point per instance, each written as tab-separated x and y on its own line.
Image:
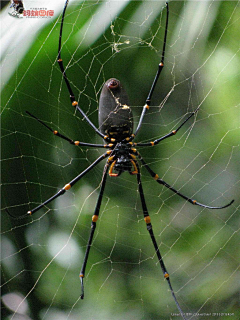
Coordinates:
123	278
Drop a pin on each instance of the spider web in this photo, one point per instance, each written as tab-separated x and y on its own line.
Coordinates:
42	255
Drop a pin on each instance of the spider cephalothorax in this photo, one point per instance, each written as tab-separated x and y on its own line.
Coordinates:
122	159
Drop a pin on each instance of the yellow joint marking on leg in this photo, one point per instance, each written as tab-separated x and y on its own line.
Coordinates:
67	186
146	106
111	174
110	145
166	275
55	132
131	143
109	152
134	150
194	202
133	135
74	103
59	60
147	219
113	140
156	177
110	158
76	143
127	139
161	64
174	131
133	156
135	167
94	218
152	143
105	137
29	212
81	276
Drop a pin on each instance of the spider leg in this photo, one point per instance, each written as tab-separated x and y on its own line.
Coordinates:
160	67
155	142
64	189
150	230
160	181
72	97
76	143
93	226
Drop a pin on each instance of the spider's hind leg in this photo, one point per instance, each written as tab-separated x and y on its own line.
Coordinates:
93	226
150	230
162	182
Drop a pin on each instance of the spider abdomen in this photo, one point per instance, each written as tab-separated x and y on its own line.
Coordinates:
114	114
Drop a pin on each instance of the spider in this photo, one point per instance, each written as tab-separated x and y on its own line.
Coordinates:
116	129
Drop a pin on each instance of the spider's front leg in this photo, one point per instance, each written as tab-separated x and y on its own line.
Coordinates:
62	68
160	68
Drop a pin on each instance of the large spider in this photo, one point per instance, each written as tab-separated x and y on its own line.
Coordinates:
116	128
